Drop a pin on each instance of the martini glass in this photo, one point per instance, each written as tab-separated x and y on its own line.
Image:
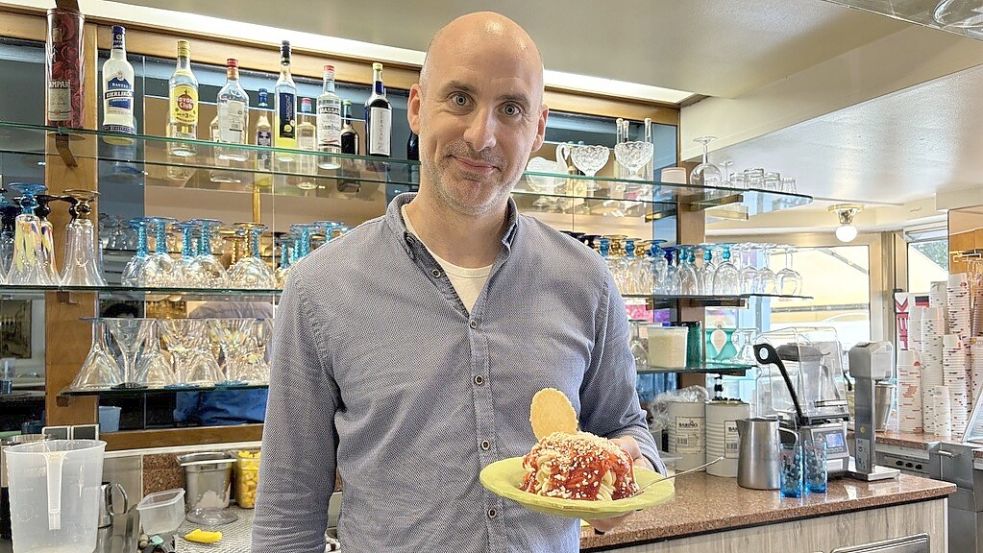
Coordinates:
194	364
235	337
128	337
28	266
99	370
209	271
251	271
133	272
155	368
706	173
83	259
258	369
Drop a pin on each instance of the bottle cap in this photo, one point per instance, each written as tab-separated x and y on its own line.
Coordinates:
285	48
329	69
118	29
377	66
346	102
183	48
305	104
232	62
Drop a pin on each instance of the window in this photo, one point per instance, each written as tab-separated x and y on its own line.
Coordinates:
928	261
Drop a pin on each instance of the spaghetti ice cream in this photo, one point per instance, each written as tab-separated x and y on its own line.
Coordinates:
578	466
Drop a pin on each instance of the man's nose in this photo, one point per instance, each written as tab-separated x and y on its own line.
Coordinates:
480	134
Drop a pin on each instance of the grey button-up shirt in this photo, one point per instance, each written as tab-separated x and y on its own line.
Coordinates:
380	371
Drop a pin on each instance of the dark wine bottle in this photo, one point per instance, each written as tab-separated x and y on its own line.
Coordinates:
349	137
378	118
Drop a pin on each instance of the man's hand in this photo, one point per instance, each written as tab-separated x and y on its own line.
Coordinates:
631	447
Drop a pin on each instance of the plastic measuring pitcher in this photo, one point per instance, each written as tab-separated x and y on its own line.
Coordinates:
54	495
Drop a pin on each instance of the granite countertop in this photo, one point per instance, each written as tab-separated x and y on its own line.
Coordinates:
705	503
919	440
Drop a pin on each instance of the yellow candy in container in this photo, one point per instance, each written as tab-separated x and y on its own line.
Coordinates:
247	477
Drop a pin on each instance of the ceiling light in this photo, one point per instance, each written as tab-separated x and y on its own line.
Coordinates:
846	232
959	14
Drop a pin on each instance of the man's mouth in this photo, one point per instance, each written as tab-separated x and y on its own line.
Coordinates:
475	165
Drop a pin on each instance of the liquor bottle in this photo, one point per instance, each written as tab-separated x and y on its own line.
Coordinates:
285	105
378	117
117	88
233	113
349	136
183	115
328	121
307	140
264	137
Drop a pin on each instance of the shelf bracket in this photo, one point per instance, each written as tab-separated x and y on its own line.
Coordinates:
63	145
700	203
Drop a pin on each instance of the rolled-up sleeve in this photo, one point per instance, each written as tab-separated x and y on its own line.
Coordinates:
608	402
297	470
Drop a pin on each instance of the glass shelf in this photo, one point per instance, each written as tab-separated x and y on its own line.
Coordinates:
129	392
157	160
235	294
706	300
708	367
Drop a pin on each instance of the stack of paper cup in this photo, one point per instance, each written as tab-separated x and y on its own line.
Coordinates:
933	327
958	313
941	412
915	316
937	294
976	367
910	417
954	376
976	299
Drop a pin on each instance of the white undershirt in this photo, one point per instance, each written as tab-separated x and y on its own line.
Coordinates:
468	283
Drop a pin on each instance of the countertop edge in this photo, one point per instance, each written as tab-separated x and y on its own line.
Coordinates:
592	542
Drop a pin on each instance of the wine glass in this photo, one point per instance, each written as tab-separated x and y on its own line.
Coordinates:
705	174
47	237
657	266
158	270
671	284
83	255
765	281
28	266
133	272
205	266
8	213
747	272
302	244
633	156
251	271
707	271
689	281
184	270
283	269
789	280
726	279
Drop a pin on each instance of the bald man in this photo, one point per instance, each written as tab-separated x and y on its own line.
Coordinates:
406	353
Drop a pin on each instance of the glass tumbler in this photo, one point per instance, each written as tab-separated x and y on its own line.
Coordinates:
816	475
792	473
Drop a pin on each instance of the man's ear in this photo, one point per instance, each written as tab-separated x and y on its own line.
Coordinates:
413	107
541	128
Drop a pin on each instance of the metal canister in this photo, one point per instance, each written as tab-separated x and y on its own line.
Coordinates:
722	437
686	433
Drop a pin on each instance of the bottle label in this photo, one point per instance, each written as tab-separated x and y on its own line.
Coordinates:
689	435
380	126
232	121
59	101
287	122
732	440
184	104
328	122
118	96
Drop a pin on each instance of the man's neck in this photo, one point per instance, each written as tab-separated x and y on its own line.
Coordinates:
470	242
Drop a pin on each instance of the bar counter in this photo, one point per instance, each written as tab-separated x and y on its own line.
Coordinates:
707	504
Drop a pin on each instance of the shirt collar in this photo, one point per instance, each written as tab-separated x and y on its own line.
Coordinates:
394	219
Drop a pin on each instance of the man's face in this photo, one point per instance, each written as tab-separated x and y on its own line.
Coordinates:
479	118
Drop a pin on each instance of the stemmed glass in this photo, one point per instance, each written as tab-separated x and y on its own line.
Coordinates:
789	280
30	264
262	331
743	338
154	368
8	213
633	156
83	255
590	160
747	272
48	236
99	370
689	281
657	266
302	245
159	268
128	338
706	173
707	271
133	273
184	269
283	269
251	271
205	266
765	281
726	279
671	283
194	366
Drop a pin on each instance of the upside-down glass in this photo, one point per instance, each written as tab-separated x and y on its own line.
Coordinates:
748	273
283	269
133	272
657	266
30	265
154	367
183	269
8	213
789	280
765	281
194	364
99	370
48	235
251	271
671	284
159	268
206	267
302	244
726	279
707	271
706	173
689	281
128	339
83	256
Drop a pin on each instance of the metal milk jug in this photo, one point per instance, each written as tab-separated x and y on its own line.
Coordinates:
758	463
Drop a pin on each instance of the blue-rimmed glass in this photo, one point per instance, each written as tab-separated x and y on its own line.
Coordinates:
133	272
28	265
251	271
159	267
207	268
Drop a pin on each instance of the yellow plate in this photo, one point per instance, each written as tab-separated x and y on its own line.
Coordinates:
504	477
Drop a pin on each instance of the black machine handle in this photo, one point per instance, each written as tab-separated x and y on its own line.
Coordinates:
766	355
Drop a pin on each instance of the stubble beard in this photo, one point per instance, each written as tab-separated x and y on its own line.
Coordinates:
462	203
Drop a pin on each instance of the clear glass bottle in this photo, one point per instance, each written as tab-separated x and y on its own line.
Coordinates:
233	113
328	121
349	136
378	118
117	87
264	137
285	106
183	92
307	141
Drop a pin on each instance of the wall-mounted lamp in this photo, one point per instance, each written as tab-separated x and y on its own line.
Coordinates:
846	232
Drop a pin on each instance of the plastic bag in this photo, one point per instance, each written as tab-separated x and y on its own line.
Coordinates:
659	408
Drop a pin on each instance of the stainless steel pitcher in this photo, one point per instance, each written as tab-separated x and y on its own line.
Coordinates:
758	463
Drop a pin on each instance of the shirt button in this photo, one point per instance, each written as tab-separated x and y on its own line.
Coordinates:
492	513
473	323
485	445
435	273
479	380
